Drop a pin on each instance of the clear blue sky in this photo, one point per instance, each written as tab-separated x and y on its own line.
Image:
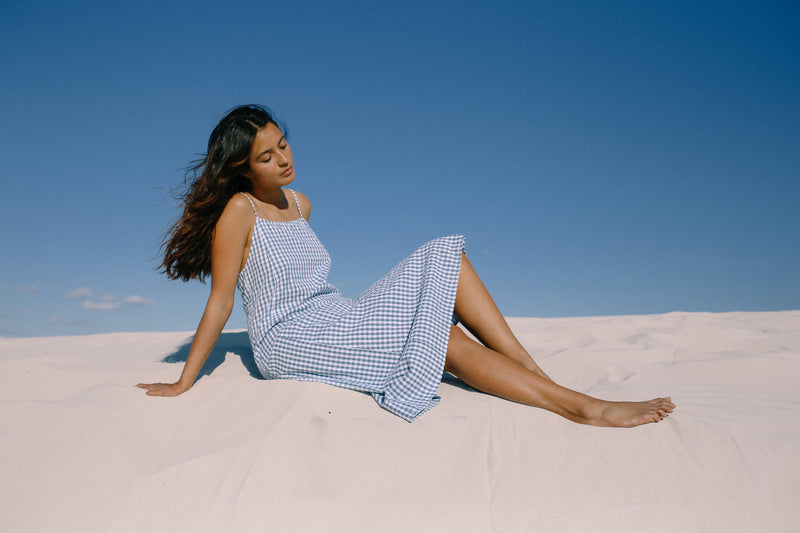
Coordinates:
601	157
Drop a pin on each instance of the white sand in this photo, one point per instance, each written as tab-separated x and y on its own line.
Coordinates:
83	450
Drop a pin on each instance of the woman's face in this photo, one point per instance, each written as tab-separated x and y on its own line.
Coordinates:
270	159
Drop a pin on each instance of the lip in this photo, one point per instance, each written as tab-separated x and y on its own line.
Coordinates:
288	171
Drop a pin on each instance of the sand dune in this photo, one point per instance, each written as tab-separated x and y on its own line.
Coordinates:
85	451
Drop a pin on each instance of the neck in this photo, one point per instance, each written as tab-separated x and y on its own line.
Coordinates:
275	196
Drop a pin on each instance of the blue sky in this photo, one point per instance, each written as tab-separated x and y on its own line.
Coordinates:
602	158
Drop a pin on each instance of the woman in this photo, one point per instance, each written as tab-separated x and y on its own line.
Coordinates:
241	227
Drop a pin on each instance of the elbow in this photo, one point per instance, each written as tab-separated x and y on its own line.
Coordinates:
223	306
226	311
226	308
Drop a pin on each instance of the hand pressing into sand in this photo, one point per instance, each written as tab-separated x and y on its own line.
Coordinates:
162	389
214	319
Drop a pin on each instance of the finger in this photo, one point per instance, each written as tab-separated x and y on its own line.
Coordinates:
151	386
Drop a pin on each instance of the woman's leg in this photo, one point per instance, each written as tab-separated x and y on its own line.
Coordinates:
502	367
476	309
499	375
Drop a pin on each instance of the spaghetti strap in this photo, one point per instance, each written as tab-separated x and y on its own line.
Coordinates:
297	202
251	203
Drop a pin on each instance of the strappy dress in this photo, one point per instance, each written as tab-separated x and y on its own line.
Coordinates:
390	341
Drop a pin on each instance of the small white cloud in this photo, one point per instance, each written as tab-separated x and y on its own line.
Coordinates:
138	300
101	306
99	301
107	302
77	294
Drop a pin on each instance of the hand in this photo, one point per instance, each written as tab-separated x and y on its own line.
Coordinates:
162	389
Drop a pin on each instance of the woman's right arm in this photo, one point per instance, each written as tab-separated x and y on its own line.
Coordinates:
227	253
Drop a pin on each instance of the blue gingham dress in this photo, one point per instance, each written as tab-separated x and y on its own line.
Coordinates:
390	341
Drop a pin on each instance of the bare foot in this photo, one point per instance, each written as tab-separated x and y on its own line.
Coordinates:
630	414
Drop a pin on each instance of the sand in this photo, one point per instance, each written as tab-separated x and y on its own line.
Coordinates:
83	450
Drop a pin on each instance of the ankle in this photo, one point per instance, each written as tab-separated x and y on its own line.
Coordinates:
590	411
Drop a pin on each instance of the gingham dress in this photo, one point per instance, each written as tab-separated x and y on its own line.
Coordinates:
390	341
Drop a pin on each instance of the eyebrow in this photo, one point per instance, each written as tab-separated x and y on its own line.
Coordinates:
268	150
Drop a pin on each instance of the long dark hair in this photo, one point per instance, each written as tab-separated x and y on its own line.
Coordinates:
211	181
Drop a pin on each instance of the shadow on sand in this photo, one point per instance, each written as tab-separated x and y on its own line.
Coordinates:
450	379
237	343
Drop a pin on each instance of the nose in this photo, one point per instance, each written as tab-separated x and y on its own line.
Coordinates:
282	159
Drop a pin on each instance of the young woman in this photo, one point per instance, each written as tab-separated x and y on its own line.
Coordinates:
241	226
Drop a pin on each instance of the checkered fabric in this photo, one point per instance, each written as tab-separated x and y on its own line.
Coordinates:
390	341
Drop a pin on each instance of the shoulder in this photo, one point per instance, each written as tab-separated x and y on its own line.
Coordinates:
239	207
239	203
238	213
305	204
